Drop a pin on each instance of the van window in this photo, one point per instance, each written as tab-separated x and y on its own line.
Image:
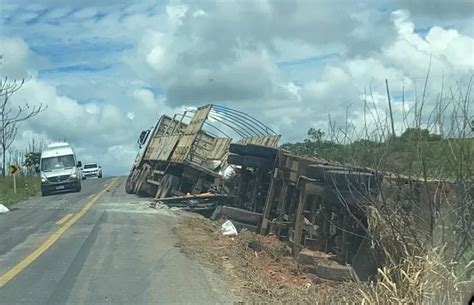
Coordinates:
59	162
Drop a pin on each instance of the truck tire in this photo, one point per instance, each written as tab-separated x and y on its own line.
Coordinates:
261	151
258	162
129	185
318	172
237	148
241	215
335	273
168	184
235	159
141	178
240	226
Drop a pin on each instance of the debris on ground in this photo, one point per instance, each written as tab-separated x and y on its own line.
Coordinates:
258	268
228	229
192	202
3	209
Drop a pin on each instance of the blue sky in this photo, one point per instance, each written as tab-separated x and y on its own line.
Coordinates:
108	69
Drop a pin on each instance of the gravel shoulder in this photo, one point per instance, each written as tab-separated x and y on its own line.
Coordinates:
257	268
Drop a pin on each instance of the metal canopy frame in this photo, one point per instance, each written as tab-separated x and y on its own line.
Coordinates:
226	121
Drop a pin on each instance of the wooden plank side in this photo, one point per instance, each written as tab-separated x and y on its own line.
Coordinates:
298	229
220	150
190	133
270	140
164	147
166	125
202	148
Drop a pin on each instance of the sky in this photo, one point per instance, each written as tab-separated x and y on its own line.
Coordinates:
107	69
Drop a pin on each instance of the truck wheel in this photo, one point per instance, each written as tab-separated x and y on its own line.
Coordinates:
318	172
240	226
235	159
241	215
129	186
168	184
261	151
237	148
257	162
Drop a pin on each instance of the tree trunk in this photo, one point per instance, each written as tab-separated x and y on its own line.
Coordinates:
3	160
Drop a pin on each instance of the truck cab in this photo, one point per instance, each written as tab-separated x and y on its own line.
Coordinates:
59	169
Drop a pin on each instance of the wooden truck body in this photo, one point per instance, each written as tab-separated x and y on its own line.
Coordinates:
186	153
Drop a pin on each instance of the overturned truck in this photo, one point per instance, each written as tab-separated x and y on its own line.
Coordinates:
187	153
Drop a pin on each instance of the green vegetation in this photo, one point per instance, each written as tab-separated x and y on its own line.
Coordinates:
27	186
416	152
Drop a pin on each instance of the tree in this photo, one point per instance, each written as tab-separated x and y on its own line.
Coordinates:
315	135
32	159
11	117
415	134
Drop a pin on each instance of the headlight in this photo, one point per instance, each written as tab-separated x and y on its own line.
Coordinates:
44	179
73	176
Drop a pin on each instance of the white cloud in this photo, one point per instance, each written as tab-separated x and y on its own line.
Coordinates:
289	64
15	62
85	13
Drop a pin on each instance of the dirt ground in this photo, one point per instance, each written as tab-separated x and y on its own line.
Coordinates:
257	268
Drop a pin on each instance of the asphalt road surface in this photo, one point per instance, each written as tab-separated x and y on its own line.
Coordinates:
99	246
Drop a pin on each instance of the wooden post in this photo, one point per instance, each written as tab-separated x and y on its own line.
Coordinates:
325	229
390	108
243	185
283	195
268	206
300	215
344	239
258	181
14	183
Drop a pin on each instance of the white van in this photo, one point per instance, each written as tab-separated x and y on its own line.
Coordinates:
59	169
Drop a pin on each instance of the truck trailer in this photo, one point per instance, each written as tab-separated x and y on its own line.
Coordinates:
187	153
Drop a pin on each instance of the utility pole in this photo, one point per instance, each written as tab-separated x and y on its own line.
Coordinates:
390	107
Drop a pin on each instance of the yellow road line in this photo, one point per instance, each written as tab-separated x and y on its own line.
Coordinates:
90	196
64	219
10	274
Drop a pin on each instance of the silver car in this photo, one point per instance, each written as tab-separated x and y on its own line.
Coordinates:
91	170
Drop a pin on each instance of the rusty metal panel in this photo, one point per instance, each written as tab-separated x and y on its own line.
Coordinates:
185	144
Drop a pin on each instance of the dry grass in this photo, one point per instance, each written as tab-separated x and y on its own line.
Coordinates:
27	186
258	268
414	274
418	280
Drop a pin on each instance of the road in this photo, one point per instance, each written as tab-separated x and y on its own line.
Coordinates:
99	246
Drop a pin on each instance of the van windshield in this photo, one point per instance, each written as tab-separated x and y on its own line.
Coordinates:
93	165
59	162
